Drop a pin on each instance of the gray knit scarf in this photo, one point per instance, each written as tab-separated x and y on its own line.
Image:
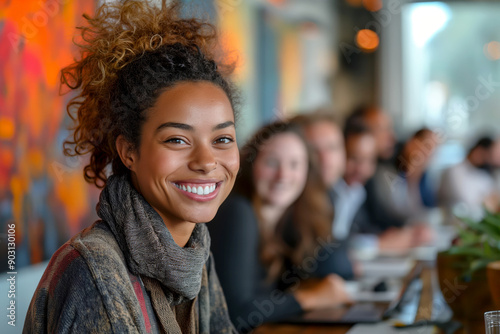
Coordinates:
148	245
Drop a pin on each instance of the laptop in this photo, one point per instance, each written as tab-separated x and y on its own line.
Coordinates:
364	312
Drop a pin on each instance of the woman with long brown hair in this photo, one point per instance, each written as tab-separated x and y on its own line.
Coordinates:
156	115
277	190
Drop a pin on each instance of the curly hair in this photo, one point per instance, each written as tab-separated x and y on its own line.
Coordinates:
310	215
131	52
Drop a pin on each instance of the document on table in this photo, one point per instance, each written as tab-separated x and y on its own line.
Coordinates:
386	267
386	328
359	293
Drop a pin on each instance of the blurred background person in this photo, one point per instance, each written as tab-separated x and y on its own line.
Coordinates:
277	185
402	190
326	140
469	187
388	195
361	162
380	125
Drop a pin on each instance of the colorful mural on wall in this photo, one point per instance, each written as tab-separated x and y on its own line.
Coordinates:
41	191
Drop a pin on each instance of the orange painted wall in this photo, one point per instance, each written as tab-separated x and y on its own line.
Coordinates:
41	190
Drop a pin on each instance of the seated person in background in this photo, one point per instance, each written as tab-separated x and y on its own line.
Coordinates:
469	186
378	210
361	162
277	184
326	139
380	124
399	188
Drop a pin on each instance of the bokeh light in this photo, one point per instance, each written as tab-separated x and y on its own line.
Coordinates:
372	5
492	50
367	40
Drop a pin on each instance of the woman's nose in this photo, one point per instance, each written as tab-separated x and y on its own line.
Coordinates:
203	160
281	172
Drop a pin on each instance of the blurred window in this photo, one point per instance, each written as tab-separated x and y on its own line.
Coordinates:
451	70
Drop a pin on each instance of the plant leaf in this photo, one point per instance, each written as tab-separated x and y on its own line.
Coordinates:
479	264
488	252
494	225
466	250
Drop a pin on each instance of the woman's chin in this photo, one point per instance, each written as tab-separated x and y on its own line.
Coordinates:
201	218
281	203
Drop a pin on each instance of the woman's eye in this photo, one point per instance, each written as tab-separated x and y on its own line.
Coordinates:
175	141
224	140
272	163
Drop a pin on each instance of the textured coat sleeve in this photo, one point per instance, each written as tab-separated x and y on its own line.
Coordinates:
86	288
67	299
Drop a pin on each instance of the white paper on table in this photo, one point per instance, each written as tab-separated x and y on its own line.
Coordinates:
387	267
386	328
353	288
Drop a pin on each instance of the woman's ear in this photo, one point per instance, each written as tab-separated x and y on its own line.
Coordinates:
126	152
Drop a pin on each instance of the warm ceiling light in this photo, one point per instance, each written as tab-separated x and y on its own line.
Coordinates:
372	5
277	2
492	50
367	40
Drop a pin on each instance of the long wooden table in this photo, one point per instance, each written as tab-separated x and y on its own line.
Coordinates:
427	300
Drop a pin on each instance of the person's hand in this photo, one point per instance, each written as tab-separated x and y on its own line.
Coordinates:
328	292
492	202
423	234
403	239
396	239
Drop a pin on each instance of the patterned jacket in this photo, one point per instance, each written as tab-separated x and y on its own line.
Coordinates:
87	288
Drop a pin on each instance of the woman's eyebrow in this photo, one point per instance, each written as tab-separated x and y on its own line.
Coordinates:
223	125
181	126
188	127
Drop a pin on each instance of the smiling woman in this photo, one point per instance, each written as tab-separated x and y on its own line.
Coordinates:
154	104
187	158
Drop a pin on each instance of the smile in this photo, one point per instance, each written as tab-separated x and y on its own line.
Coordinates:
199	189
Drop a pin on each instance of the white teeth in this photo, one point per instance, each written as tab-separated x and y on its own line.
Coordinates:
198	190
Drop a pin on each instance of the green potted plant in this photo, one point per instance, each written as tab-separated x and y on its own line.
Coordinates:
462	268
479	241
